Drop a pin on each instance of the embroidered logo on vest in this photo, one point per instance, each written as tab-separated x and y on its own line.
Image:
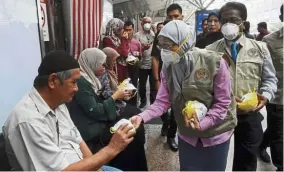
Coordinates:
201	75
253	52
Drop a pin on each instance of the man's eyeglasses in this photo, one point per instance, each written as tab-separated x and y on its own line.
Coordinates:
235	20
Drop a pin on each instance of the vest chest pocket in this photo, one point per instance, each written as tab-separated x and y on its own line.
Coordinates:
249	68
202	93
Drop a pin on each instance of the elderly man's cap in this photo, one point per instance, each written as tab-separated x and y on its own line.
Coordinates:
57	61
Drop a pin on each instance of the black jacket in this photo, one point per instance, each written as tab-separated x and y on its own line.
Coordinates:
209	39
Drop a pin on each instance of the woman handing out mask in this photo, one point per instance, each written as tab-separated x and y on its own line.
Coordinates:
191	74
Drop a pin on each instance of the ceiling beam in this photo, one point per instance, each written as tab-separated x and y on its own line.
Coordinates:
197	6
119	1
209	4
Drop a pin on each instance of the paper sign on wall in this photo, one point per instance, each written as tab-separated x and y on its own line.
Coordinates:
44	23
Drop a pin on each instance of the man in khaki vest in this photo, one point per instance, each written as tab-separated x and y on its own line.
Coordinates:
273	135
250	68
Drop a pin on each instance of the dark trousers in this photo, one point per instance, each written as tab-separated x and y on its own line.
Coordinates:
248	136
199	158
133	73
143	77
273	135
133	157
168	120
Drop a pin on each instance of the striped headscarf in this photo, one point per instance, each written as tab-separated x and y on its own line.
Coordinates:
113	28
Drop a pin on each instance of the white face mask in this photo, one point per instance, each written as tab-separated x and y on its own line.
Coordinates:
147	26
169	56
230	31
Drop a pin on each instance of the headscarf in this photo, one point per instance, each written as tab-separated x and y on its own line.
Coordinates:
90	59
113	26
180	33
111	55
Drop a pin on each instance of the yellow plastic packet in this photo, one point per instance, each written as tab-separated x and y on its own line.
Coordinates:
189	110
126	85
194	107
249	101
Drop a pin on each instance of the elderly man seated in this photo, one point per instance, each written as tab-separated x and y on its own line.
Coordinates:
39	132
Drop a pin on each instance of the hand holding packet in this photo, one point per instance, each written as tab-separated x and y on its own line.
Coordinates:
126	85
194	107
131	60
122	122
249	101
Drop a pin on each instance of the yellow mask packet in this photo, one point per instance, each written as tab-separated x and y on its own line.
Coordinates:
194	107
249	101
126	85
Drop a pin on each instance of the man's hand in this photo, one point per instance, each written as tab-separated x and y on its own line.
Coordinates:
121	138
136	121
157	84
239	111
261	102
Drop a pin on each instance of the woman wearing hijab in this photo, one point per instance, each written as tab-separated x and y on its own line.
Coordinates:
116	38
109	77
194	75
215	34
93	115
112	55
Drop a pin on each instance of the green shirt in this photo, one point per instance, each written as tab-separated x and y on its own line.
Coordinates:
89	112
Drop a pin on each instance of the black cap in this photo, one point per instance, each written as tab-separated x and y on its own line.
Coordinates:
57	61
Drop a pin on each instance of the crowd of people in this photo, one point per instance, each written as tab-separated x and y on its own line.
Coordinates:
64	121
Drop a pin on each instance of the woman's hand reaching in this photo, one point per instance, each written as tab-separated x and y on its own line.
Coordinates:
120	94
136	121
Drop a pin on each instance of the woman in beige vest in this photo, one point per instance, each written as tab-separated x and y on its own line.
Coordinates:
193	74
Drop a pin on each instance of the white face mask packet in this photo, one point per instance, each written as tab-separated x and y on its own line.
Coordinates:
122	122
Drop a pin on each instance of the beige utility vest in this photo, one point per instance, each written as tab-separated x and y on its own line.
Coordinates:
197	84
275	45
246	73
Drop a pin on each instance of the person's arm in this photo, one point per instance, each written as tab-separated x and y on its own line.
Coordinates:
155	61
118	142
268	79
93	162
140	50
87	100
160	105
155	68
85	149
221	100
122	50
